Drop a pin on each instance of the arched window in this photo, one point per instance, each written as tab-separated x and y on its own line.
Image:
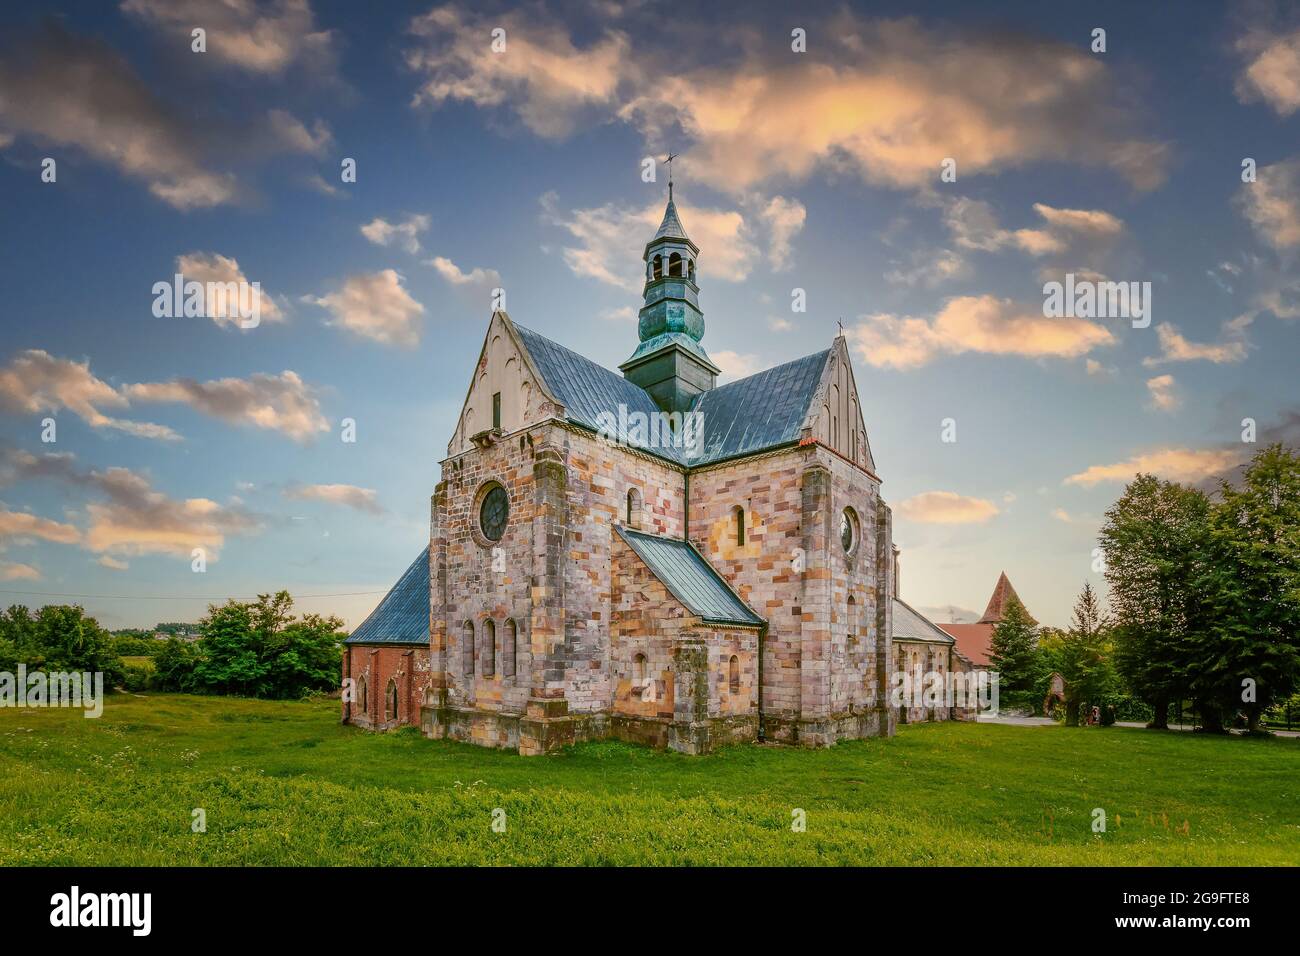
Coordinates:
361	695
734	674
657	264
690	269
675	264
638	669
489	648
467	650
633	508
853	618
509	648
739	514
391	700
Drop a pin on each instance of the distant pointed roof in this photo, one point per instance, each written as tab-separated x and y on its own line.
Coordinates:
671	227
1003	592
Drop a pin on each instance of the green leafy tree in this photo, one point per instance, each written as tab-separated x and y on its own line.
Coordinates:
1154	541
1246	653
259	649
174	665
1013	652
59	637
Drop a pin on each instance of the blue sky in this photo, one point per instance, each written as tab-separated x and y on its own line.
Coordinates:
521	169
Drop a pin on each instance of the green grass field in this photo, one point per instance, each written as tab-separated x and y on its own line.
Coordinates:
284	783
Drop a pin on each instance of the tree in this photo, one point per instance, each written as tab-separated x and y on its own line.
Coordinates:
1013	652
259	649
1154	540
1083	655
1246	652
174	665
59	637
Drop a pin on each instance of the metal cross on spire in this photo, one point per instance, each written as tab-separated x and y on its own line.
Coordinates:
669	161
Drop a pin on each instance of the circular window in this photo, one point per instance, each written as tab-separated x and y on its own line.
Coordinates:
848	530
493	513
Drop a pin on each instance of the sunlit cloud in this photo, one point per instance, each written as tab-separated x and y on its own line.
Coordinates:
375	306
983	324
947	507
1172	464
351	496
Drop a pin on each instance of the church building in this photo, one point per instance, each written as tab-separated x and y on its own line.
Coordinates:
646	556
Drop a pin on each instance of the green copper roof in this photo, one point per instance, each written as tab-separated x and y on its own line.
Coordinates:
402	617
662	341
690	578
911	625
762	411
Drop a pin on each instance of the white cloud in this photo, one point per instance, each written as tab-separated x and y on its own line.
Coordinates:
784	219
1272	203
1084	234
1272	71
404	234
734	365
947	507
35	382
20	526
929	268
1175	348
611	239
113	564
375	306
291	133
351	496
260	36
1172	464
886	99
208	267
983	324
1164	394
18	572
66	90
486	278
282	403
778	324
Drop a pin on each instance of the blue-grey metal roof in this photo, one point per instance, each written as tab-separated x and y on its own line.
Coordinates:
911	625
589	390
690	578
740	418
761	411
402	617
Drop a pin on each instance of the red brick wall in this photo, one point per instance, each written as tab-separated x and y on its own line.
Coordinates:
407	666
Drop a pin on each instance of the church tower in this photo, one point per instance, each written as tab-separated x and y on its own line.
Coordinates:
670	363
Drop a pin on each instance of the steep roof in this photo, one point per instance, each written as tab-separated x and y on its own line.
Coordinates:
760	411
402	617
973	641
1003	592
749	415
585	388
690	578
911	625
671	227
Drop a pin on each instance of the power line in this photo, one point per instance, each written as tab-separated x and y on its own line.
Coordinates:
182	597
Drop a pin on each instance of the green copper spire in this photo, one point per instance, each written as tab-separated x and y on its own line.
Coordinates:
670	363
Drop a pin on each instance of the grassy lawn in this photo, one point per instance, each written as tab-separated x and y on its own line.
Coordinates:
284	783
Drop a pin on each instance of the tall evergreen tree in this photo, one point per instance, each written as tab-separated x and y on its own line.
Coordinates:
1013	652
1083	657
1154	540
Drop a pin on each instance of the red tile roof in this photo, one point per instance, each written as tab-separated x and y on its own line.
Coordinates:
973	641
